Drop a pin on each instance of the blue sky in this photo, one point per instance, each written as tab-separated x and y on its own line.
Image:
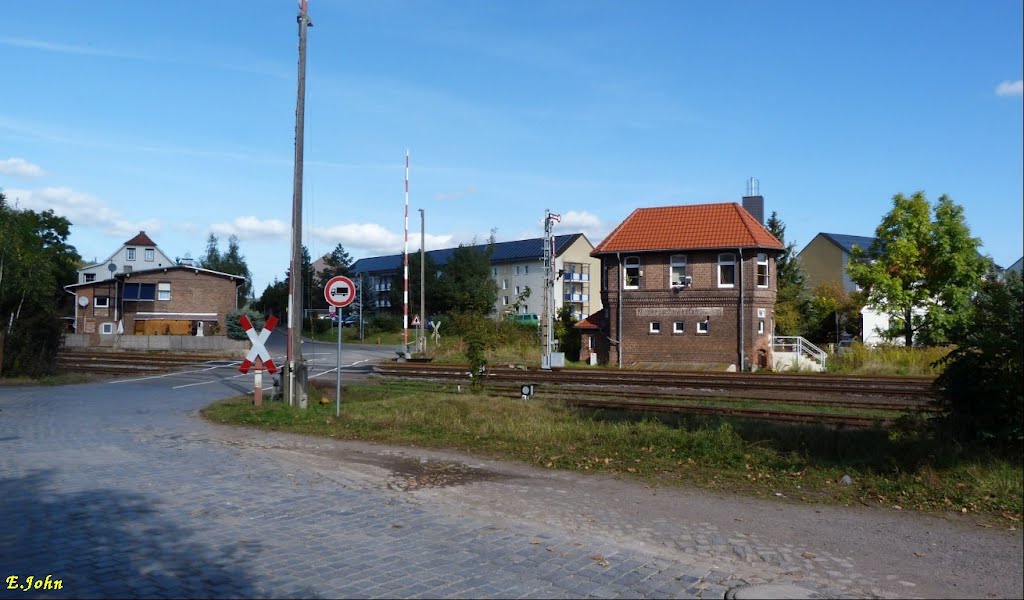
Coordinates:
178	117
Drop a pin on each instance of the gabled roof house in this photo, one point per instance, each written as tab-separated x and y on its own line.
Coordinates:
138	253
686	285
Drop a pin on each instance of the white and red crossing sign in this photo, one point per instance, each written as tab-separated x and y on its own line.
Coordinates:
258	355
340	291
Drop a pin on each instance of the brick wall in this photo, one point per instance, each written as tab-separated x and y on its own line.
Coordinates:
655	302
191	292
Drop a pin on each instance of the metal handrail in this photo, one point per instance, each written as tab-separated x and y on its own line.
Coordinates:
799	345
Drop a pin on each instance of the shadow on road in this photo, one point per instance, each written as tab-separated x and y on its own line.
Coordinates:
109	543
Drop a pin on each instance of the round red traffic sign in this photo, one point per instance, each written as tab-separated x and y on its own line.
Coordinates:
340	291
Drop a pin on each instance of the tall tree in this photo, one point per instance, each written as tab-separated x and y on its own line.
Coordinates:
921	272
233	262
211	259
35	263
791	305
466	284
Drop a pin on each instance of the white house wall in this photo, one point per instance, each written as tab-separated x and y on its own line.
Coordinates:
120	260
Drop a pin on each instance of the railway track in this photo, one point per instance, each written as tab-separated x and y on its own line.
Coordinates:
121	363
786	398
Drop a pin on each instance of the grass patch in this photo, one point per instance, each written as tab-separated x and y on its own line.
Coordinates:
895	469
58	379
887	360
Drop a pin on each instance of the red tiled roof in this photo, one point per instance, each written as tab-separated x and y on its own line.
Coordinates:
724	225
140	240
591	322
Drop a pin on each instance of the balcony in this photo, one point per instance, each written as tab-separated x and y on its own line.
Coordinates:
575	276
577	297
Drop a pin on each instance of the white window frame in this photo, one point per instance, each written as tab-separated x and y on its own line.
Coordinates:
631	262
107	329
504	301
96	301
762	261
504	284
90	277
760	327
655	327
679	327
163	291
678	261
150	254
704	327
129	254
761	313
494	272
726	259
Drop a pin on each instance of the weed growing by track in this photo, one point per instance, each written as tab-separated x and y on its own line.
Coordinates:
899	470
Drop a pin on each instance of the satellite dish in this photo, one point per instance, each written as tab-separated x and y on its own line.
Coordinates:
111	267
83	301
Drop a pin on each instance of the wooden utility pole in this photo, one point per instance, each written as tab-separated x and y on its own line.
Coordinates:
295	366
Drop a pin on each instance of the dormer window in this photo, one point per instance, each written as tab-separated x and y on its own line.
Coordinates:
632	273
726	270
679	270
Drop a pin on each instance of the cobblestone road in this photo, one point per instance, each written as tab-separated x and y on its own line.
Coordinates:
122	490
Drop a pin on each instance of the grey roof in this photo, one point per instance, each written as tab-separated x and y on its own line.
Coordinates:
847	242
514	251
1017	266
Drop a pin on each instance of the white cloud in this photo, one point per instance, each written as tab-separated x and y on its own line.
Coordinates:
589	224
1010	88
251	227
81	209
19	167
374	238
456	195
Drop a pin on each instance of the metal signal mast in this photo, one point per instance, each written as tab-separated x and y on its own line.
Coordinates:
550	274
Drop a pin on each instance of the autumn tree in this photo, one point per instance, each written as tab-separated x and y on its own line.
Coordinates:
921	271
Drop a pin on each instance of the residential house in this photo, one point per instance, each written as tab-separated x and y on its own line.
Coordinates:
689	285
515	266
172	300
137	254
824	260
1016	267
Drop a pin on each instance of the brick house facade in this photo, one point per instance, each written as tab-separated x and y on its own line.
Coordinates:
687	285
174	300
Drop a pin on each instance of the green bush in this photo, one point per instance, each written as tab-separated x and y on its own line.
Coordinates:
383	323
30	349
235	329
981	391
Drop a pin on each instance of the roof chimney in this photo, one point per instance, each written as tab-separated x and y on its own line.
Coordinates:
753	202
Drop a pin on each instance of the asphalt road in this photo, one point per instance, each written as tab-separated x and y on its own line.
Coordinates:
120	489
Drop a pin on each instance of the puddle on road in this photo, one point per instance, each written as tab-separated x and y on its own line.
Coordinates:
409	475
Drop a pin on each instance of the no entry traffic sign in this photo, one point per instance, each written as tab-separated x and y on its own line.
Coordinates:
259	348
340	291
